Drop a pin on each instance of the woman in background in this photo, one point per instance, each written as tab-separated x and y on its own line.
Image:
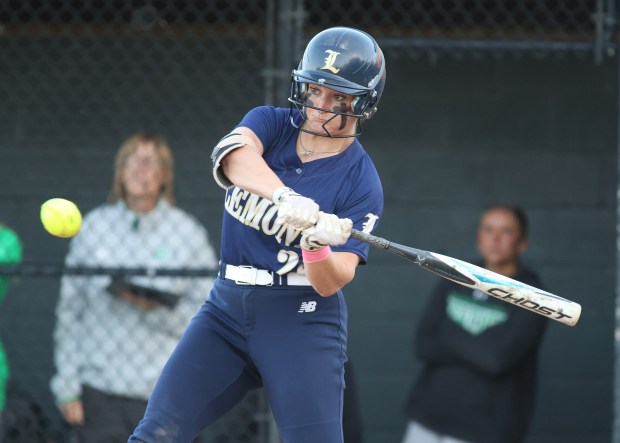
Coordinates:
113	336
480	354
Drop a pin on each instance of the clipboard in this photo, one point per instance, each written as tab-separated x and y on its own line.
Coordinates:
165	298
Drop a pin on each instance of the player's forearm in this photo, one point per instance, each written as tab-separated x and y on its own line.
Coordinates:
330	275
519	337
245	168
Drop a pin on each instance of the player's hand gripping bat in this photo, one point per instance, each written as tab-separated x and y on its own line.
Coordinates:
496	285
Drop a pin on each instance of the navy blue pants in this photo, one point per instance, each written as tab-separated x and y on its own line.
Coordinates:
289	339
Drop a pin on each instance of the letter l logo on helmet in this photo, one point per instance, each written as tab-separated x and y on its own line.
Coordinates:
330	60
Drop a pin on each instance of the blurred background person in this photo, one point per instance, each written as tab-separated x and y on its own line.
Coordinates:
479	377
10	253
113	335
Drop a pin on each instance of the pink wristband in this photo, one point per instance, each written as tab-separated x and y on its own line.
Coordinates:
315	256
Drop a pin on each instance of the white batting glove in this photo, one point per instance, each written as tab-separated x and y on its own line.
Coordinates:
328	230
294	209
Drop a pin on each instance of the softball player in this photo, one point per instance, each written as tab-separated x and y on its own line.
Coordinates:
276	316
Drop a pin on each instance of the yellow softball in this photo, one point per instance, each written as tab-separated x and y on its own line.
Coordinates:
61	217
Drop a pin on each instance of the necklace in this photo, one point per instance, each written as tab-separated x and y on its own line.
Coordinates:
310	152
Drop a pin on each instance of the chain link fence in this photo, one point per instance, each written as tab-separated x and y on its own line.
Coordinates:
78	76
459	27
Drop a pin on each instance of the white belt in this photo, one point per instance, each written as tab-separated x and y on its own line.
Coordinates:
248	275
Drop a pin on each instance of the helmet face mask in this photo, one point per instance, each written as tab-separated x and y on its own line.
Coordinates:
344	60
302	103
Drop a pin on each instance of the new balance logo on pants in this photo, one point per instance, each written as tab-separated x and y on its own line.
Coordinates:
307	306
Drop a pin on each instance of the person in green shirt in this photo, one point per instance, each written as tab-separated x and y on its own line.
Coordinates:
10	253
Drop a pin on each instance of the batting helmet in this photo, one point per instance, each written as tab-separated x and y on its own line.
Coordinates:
345	60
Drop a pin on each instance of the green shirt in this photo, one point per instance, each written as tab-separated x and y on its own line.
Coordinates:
10	253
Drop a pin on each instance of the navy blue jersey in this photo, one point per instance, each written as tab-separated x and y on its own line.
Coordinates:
346	184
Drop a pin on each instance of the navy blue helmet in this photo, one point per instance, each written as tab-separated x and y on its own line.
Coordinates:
346	60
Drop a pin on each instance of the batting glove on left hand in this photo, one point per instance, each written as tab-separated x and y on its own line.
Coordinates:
328	230
294	209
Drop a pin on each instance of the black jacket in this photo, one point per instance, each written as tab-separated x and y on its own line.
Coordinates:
480	365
